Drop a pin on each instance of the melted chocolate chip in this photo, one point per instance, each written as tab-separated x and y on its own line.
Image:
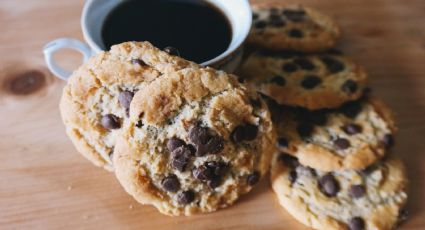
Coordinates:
110	121
261	24
174	143
244	133
295	33
253	178
388	140
125	98
310	82
186	197
138	62
304	64
289	67
352	129
349	86
292	176
278	80
329	185
203	173
341	143
205	143
199	135
180	158
305	130
172	51
351	109
211	173
171	183
294	15
357	191
356	223
282	142
289	160
333	65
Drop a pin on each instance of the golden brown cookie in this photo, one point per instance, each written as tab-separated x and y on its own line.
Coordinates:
195	142
313	81
342	200
351	137
292	27
96	100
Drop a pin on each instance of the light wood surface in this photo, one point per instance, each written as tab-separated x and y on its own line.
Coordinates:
45	184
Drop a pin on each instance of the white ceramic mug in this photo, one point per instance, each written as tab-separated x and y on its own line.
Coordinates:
95	12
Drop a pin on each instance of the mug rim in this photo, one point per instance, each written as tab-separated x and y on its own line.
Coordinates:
233	46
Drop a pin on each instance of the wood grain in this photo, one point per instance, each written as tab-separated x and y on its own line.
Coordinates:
45	184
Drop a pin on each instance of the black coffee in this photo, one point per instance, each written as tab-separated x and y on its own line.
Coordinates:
198	30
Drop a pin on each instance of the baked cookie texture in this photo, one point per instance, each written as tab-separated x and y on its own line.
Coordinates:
195	142
292	27
96	99
369	199
313	81
353	136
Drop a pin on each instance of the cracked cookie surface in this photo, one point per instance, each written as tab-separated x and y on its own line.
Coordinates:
353	200
96	99
351	137
195	142
292	27
313	81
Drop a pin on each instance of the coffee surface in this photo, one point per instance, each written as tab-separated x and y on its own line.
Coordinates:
197	29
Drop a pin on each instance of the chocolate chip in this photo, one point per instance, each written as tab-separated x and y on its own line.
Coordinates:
125	98
110	121
289	160
403	215
318	118
305	64
255	16
199	135
172	51
282	142
388	140
214	182
367	171
218	168
329	185
292	176
255	102
205	143
305	129
139	124
203	173
244	133
186	197
352	129
171	183
349	86
111	154
294	15
138	62
357	191
261	24
180	158
277	22
253	178
341	144
289	67
295	33
278	80
356	223
333	65
310	82
351	109
174	143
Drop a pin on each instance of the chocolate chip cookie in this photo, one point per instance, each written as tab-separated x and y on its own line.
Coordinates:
195	142
96	100
313	81
351	137
354	200
292	27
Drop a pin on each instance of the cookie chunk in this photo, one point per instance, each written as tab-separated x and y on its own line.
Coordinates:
313	81
96	100
293	27
351	137
353	200
195	142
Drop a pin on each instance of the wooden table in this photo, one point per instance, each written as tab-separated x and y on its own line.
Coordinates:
45	184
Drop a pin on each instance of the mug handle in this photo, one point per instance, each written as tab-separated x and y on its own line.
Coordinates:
63	43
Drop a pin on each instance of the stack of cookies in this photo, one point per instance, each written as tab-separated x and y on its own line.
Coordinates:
332	168
180	137
188	139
